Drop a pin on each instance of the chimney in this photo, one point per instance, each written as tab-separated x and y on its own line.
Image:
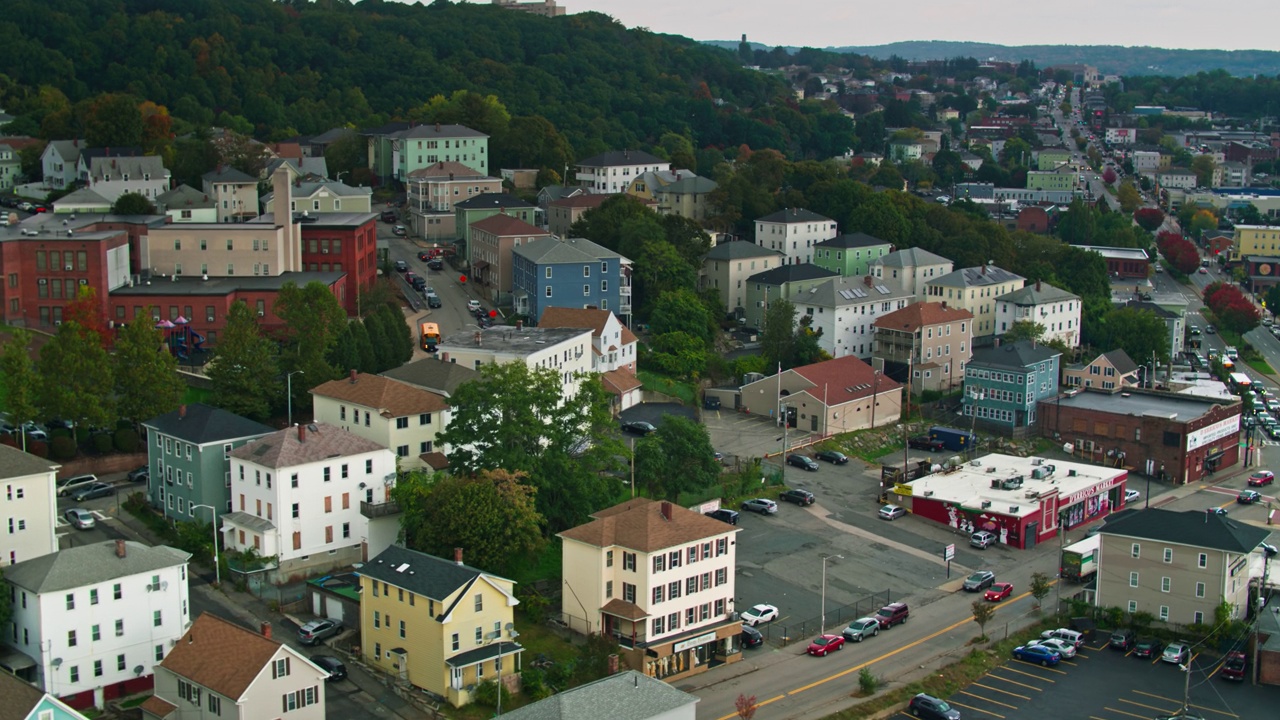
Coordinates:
613	664
944	304
302	433
984	269
457	556
353	376
437	127
519	324
666	510
450	176
444	357
265	629
182	411
120	551
867	281
1033	343
1037	286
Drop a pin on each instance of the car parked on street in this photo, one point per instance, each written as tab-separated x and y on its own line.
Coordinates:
1038	654
317	630
797	496
141	474
332	665
751	637
824	644
980	580
435	264
892	614
928	707
832	456
399	231
1131	496
998	591
1233	667
402	266
759	614
473	305
802	461
96	490
80	518
764	506
891	512
74	483
1261	477
861	629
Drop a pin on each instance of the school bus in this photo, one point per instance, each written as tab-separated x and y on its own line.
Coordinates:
430	336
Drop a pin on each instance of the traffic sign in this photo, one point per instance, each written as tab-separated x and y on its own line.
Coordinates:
949	553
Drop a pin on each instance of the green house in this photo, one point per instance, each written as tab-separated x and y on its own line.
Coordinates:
787	282
1050	159
1004	383
188	456
850	254
397	149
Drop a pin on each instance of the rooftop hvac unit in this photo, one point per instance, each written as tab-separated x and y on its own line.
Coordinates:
995	483
986	504
1037	461
928	493
1071	473
1013	508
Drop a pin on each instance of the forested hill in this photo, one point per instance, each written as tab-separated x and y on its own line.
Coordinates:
304	67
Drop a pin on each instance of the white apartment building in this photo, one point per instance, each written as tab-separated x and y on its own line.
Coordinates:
794	232
296	495
613	345
1121	136
910	269
112	177
613	171
95	617
845	310
565	350
1056	309
235	193
393	414
29	505
660	580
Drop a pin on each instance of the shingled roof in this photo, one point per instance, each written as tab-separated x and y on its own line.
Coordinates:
918	315
1188	527
639	524
304	444
221	656
203	424
388	397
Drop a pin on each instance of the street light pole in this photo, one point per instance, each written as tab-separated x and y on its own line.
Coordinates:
822	623
289	391
213	520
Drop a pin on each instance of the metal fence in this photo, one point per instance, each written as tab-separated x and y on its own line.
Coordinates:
784	633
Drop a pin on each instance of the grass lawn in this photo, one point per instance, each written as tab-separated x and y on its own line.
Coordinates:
1260	365
667	386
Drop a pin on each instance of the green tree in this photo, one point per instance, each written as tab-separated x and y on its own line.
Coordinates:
678	458
243	376
777	337
1202	221
1140	333
379	334
133	204
112	120
491	515
681	310
1023	330
678	354
146	373
1129	197
1040	586
19	382
74	371
313	320
347	154
983	611
1204	166
399	335
532	141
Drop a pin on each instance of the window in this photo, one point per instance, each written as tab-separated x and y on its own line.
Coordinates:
722	576
119	628
377	619
608	558
1203	560
159	653
1165	584
215	704
1199	589
95	633
120	663
659	563
280	668
71	601
1168	555
658	594
479	602
608	588
628	561
402	423
71	638
1164	613
479	635
75	673
1134	551
1133	579
628	592
1133	606
401	628
548	291
156	618
455	641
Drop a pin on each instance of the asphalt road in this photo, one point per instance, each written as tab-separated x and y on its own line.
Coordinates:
453	315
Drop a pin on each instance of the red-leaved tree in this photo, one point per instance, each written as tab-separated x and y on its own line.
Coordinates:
1234	310
1109	176
1149	219
1178	252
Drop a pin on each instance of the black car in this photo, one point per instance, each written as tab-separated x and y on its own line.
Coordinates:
402	266
424	256
751	637
724	515
802	461
1122	640
924	442
332	665
797	496
141	474
638	427
932	708
435	264
1146	647
419	283
831	456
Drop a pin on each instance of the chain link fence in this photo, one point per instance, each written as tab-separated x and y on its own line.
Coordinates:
783	633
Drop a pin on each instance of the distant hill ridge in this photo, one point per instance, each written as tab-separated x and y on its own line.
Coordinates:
1109	59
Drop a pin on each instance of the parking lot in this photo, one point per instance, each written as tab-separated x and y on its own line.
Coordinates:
1105	684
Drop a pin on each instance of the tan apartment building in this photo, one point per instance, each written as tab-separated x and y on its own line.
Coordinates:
1261	240
1179	565
235	193
492	240
394	414
1108	371
728	265
930	342
909	269
688	197
975	289
433	190
660	580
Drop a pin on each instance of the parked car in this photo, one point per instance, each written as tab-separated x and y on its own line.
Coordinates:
435	264
1065	649
433	301
1131	496
424	256
724	515
998	591
473	305
980	580
751	637
638	427
759	614
824	644
982	539
141	474
929	707
1248	497
802	461
891	512
1176	653
402	266
332	665
95	490
80	518
1147	647
1075	638
317	630
831	456
892	614
924	442
1122	640
71	484
763	506
399	230
797	496
1038	654
1262	477
861	629
1233	667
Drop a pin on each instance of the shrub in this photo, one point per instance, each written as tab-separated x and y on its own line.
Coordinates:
62	447
126	440
867	682
533	684
487	693
101	443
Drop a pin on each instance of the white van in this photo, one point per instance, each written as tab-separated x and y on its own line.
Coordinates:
71	484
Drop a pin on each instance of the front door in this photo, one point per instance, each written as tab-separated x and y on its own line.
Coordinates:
456	679
402	662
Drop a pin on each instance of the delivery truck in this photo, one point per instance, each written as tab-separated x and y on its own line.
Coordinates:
954	440
1080	560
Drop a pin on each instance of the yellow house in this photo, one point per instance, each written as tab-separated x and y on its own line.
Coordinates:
441	626
1255	240
974	289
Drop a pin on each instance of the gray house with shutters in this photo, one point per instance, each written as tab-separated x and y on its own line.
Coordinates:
188	455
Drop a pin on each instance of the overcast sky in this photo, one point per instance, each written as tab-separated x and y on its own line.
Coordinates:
1239	25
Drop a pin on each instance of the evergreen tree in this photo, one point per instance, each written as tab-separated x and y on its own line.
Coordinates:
19	380
376	328
245	371
313	321
75	378
146	373
398	335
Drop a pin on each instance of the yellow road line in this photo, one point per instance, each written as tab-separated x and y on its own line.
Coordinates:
1140	717
987	699
970	707
1013	682
1006	692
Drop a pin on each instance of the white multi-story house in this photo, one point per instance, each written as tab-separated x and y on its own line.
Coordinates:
845	310
236	193
185	204
910	269
660	580
613	350
1121	136
111	176
95	618
613	171
1056	309
793	232
296	496
565	350
391	413
59	163
221	670
29	506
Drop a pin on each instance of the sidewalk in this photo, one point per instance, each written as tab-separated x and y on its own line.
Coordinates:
252	611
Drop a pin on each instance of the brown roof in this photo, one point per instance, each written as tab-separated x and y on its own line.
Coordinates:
436	460
389	397
503	225
320	441
158	707
567	317
619	381
20	697
917	315
836	382
588	200
290	150
221	655
623	609
444	169
638	524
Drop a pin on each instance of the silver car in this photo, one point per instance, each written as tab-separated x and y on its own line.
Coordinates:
80	518
763	506
861	629
891	512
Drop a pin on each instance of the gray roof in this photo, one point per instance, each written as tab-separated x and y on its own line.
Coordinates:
227	174
506	339
557	192
21	698
493	200
194	286
549	250
1121	361
791	273
433	374
318	442
69	149
1188	527
1177	407
420	573
14	463
695	184
1017	355
910	257
83	196
1151	307
307	166
615	158
204	424
975	277
794	215
136	166
306	189
853	240
329	136
93	564
439	131
740	249
842	291
185	197
1037	294
628	695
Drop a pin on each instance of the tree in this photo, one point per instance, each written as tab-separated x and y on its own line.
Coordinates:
1201	222
1233	309
112	120
1140	333
19	382
983	611
678	354
1024	330
75	374
1204	166
347	154
777	337
677	458
681	310
313	320
1149	219
1129	197
146	373
491	515
1272	301
1178	252
133	203
399	336
1040	586
1109	176
746	705
244	373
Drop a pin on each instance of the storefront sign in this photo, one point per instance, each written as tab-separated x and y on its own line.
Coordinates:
1213	433
902	489
1098	489
692	642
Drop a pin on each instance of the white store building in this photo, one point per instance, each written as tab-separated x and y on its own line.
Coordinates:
565	350
794	232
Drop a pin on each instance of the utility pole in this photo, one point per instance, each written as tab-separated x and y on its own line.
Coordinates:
633	468
822	623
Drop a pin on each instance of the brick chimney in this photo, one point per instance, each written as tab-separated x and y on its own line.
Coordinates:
613	663
944	304
867	281
353	376
519	324
457	556
666	510
302	433
265	629
1037	286
477	338
120	548
182	411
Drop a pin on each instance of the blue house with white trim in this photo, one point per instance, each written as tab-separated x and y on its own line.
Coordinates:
1003	384
570	273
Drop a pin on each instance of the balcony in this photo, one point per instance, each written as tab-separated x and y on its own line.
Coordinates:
377	510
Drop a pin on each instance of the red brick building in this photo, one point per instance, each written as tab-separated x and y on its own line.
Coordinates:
343	243
1033	219
44	269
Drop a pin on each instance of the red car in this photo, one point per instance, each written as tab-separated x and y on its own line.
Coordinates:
998	591
1262	477
825	644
